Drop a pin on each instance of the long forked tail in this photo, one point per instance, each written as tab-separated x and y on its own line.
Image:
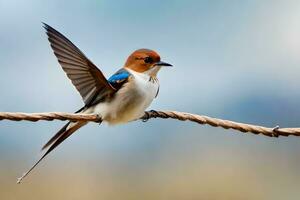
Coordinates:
58	138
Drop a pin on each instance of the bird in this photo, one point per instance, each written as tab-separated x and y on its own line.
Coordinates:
122	98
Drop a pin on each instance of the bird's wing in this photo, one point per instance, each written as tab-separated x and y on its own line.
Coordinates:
85	76
118	79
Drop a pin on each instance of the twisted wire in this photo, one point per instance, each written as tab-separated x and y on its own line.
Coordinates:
182	116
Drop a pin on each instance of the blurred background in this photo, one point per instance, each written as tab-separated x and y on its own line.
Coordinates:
237	60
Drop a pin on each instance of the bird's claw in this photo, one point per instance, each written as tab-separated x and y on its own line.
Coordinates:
275	129
146	117
149	114
99	121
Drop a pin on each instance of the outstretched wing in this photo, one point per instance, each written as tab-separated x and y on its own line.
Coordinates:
85	76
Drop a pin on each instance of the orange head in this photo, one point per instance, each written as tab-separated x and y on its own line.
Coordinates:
145	61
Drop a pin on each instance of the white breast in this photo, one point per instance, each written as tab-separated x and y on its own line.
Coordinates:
130	101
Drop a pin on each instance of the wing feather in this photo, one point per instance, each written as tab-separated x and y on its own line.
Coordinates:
85	76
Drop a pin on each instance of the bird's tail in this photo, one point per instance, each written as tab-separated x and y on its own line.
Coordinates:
58	138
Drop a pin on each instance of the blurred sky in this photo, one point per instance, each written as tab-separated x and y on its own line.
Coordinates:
238	60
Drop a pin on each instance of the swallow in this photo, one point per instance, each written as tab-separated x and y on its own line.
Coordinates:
122	98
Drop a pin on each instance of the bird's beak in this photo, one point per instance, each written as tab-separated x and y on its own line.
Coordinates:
161	63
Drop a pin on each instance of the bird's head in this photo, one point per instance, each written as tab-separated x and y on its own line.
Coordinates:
145	61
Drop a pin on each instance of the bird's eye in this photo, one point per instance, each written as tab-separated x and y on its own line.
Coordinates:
148	60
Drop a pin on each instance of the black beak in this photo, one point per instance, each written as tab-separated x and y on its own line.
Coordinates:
161	63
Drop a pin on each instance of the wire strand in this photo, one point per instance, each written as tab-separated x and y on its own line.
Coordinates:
182	116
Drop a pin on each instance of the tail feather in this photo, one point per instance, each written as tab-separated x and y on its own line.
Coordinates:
64	135
57	139
60	132
56	136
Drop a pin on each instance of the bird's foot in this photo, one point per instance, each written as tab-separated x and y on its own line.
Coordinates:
99	119
148	115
